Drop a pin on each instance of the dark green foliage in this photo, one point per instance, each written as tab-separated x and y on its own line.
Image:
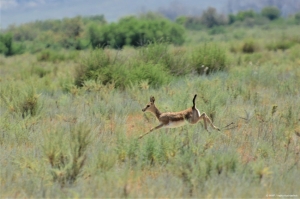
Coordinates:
249	46
7	46
133	31
271	12
297	17
208	58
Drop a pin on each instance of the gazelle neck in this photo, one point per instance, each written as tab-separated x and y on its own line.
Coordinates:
156	112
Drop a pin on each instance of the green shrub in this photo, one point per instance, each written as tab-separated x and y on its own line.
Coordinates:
297	17
50	56
249	46
161	53
271	12
95	66
217	30
208	58
242	15
21	101
133	31
66	153
8	47
6	43
280	45
190	22
104	67
155	74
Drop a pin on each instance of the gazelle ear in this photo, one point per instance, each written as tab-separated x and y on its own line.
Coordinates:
152	99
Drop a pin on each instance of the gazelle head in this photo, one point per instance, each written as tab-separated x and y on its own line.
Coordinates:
150	106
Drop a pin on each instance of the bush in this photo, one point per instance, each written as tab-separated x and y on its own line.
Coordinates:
103	66
160	53
155	74
190	22
217	30
280	45
271	12
133	31
8	47
50	55
6	44
95	66
21	101
297	17
242	15
208	58
249	46
66	153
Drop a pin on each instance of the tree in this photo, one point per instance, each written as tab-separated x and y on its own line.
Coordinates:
211	18
6	44
297	17
271	12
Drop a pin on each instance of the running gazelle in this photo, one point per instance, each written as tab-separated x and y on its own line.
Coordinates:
176	119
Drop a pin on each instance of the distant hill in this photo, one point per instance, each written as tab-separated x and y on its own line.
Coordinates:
22	11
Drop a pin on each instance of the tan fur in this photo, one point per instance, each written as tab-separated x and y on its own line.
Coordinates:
174	119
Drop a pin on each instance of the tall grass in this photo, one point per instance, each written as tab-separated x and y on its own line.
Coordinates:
66	153
21	100
82	141
209	58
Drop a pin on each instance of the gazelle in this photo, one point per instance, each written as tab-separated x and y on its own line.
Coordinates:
176	119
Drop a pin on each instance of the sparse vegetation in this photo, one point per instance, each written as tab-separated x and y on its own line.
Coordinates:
70	120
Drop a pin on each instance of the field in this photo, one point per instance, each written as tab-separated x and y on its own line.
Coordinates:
62	139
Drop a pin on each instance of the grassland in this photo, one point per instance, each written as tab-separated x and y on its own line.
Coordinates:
59	140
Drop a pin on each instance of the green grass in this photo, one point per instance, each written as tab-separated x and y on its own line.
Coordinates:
81	141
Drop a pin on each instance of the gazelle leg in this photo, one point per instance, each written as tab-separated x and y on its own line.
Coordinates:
155	128
209	121
203	116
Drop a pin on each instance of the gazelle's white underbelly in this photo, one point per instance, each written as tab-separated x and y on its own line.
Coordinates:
175	124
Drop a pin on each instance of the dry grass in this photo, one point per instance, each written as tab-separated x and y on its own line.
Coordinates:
256	156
